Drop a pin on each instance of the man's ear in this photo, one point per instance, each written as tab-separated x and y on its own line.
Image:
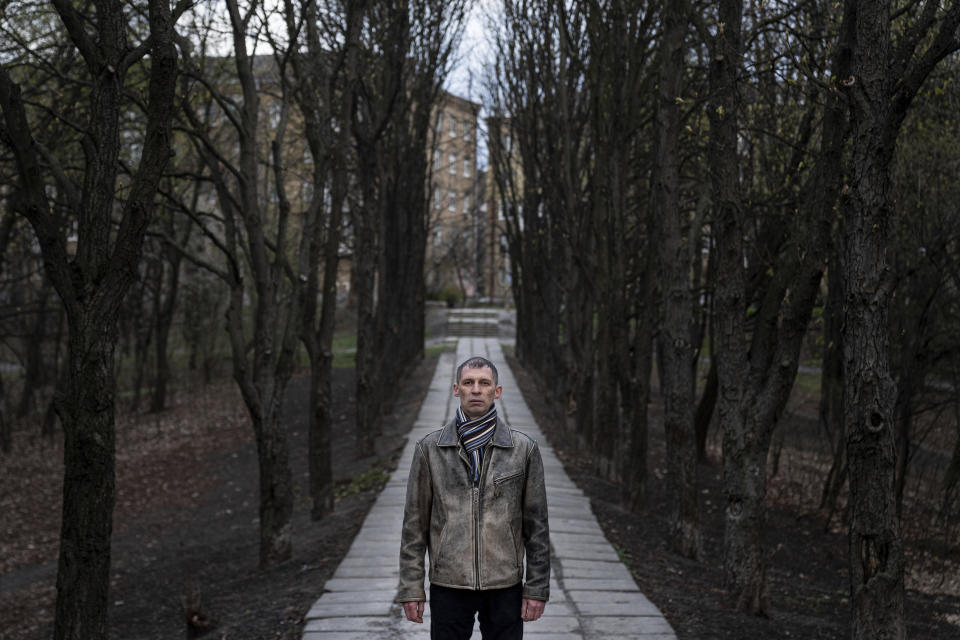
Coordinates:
456	390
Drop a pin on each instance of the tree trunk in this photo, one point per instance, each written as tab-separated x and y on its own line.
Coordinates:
166	308
704	414
830	413
276	490
744	467
34	374
89	489
143	323
364	284
876	548
637	389
677	383
6	436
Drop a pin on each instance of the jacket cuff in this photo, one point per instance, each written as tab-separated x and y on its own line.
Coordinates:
410	595
532	593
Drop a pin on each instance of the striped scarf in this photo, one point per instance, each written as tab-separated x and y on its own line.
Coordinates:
474	435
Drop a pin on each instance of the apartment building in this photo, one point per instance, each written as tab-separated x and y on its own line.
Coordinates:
503	173
456	229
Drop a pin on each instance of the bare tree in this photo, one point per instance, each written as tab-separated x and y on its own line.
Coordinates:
883	82
676	258
405	51
325	71
92	281
256	217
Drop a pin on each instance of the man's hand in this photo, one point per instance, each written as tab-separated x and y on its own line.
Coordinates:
531	610
414	611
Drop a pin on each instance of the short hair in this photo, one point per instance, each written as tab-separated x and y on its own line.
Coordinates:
478	362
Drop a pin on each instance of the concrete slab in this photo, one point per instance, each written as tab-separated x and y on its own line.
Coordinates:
598	584
352	571
349	597
385	558
553	624
572	568
576	537
575	525
365	585
348	635
622	610
356	625
585	551
361	609
627	626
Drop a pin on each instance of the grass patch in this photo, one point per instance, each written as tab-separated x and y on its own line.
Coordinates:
437	349
371	480
809	382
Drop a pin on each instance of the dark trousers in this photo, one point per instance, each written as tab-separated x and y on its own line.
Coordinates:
452	612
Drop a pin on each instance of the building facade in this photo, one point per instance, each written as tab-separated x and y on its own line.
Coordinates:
456	200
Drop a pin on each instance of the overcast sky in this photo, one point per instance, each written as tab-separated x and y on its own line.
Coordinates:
466	80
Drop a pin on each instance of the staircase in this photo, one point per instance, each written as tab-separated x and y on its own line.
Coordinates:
473	323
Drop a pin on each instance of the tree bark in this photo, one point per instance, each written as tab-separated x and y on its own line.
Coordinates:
142	326
6	434
744	467
166	306
34	370
876	547
704	413
881	87
677	384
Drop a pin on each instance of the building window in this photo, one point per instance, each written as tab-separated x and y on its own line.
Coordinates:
453	164
466	131
453	127
438	238
436	159
453	201
466	166
436	198
440	121
466	204
499	209
508	143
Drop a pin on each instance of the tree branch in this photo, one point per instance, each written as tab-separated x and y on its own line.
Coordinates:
84	43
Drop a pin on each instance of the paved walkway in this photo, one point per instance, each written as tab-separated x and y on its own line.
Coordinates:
592	594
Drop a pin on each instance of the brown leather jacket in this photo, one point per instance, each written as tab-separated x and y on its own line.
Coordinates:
476	534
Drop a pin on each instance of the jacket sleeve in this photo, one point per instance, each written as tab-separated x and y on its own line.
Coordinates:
536	532
416	529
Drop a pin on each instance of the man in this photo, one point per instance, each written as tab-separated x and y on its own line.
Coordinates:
476	499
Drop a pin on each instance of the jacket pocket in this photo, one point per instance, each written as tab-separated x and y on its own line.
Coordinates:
507	477
498	483
435	561
516	548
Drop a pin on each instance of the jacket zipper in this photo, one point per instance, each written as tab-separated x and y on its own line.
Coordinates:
476	511
476	533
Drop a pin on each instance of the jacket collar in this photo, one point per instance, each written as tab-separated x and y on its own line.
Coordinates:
502	437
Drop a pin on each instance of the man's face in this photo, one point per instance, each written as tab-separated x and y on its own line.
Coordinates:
476	390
